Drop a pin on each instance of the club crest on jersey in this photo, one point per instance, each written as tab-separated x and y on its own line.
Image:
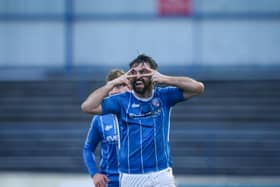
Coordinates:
155	102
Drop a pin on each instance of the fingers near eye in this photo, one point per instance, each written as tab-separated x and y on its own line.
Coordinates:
147	68
145	65
130	76
147	75
130	71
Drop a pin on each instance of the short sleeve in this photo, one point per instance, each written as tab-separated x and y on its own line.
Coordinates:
111	104
172	95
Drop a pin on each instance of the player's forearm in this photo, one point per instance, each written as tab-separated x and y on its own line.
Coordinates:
190	86
89	161
92	104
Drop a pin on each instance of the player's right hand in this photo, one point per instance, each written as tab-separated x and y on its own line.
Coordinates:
100	180
120	80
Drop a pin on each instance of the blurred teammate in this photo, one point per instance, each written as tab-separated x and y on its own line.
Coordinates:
144	120
104	130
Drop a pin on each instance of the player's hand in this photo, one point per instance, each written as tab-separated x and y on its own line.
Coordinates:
100	180
121	80
139	72
131	74
156	77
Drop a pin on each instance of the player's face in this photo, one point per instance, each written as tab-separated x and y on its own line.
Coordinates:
119	89
140	83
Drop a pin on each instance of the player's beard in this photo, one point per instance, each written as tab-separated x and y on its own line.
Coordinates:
141	90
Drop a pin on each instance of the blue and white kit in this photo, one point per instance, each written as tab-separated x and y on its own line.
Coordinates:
144	126
103	130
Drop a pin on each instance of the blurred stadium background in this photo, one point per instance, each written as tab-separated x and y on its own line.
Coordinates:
54	52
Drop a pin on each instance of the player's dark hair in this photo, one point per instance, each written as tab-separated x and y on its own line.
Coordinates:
113	74
144	59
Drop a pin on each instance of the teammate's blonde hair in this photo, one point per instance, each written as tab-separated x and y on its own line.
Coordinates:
114	73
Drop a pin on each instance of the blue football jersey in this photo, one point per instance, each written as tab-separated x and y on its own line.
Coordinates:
103	130
144	128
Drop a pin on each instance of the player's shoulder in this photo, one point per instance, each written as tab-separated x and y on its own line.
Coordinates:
107	117
126	93
121	95
165	89
168	92
98	120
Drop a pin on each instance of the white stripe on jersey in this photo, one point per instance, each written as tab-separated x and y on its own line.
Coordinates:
164	142
141	141
155	142
171	108
117	130
90	129
103	135
101	122
168	132
128	163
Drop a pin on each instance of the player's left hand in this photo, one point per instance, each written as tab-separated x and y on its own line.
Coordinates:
156	77
100	180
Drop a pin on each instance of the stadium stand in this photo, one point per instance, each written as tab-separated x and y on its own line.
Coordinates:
232	129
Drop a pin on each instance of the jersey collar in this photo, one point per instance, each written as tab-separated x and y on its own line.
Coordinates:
143	99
